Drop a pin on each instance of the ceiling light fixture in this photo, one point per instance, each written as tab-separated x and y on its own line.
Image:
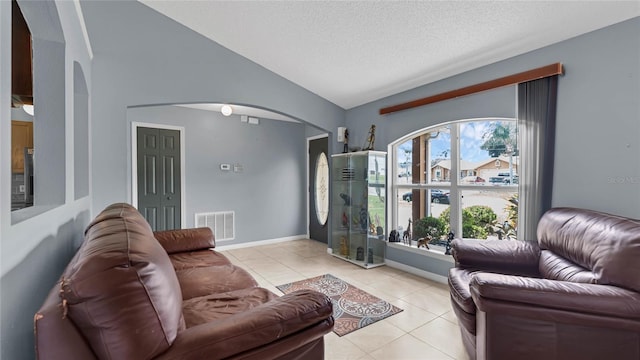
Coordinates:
28	109
226	110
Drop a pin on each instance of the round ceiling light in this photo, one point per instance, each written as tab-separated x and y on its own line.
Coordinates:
226	110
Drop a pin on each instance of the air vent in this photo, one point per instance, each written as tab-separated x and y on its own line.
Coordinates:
222	224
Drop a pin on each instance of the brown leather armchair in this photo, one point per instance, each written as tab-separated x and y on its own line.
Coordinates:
574	294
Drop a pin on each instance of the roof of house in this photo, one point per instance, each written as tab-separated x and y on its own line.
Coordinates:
471	165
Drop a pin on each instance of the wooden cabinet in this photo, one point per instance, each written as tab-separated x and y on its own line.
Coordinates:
21	137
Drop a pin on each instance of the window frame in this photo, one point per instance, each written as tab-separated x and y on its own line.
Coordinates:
454	185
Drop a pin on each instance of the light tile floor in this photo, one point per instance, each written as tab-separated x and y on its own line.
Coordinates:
426	329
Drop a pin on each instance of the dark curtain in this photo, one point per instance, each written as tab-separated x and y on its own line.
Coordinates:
537	116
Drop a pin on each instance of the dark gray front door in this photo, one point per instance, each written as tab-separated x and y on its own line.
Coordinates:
159	177
318	189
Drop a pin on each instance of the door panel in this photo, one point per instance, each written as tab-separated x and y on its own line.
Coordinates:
149	175
318	189
150	213
159	177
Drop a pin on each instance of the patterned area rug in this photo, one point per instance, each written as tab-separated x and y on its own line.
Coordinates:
352	308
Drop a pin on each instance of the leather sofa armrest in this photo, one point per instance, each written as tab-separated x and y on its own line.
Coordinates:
290	314
502	256
181	240
593	299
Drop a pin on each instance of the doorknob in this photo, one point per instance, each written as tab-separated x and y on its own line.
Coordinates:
168	197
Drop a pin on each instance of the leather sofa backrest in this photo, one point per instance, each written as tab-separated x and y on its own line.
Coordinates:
589	246
186	240
121	290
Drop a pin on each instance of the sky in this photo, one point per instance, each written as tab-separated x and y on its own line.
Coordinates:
471	138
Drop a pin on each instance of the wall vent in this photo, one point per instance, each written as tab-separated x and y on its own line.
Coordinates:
222	224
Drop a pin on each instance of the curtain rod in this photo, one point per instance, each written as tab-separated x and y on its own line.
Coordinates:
534	74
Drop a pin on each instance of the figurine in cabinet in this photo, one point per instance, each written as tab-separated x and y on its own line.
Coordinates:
363	219
344	246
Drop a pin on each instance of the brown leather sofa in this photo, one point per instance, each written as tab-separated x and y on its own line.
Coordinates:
128	294
573	294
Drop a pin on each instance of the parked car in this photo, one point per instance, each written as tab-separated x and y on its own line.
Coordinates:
437	196
503	179
498	180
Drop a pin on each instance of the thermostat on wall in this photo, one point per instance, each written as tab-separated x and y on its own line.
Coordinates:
225	167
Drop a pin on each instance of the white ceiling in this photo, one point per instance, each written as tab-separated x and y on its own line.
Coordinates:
354	52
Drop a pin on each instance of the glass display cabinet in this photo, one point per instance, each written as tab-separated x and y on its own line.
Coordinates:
358	225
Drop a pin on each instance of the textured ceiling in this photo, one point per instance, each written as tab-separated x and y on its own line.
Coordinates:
354	52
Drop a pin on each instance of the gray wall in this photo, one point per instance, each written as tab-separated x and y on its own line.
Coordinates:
271	189
598	116
142	57
35	250
148	59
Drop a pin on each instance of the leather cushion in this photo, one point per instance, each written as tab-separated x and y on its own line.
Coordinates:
213	307
201	258
606	244
202	281
174	241
120	288
555	267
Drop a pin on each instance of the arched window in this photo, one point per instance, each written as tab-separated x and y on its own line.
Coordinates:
459	177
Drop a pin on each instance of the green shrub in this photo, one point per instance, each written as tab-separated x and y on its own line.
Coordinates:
429	226
476	221
481	215
472	231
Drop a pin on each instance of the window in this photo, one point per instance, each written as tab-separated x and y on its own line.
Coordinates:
464	179
38	84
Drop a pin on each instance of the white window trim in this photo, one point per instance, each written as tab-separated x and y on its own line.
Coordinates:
454	188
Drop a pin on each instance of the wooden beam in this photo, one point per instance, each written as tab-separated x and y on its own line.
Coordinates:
541	72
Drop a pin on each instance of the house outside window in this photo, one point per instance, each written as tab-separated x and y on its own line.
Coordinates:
480	202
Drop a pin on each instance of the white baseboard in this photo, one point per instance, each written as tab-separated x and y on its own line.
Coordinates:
394	264
415	271
221	246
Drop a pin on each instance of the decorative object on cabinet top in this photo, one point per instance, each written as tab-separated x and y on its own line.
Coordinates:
371	138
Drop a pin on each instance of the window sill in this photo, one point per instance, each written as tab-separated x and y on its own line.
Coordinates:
424	252
27	213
